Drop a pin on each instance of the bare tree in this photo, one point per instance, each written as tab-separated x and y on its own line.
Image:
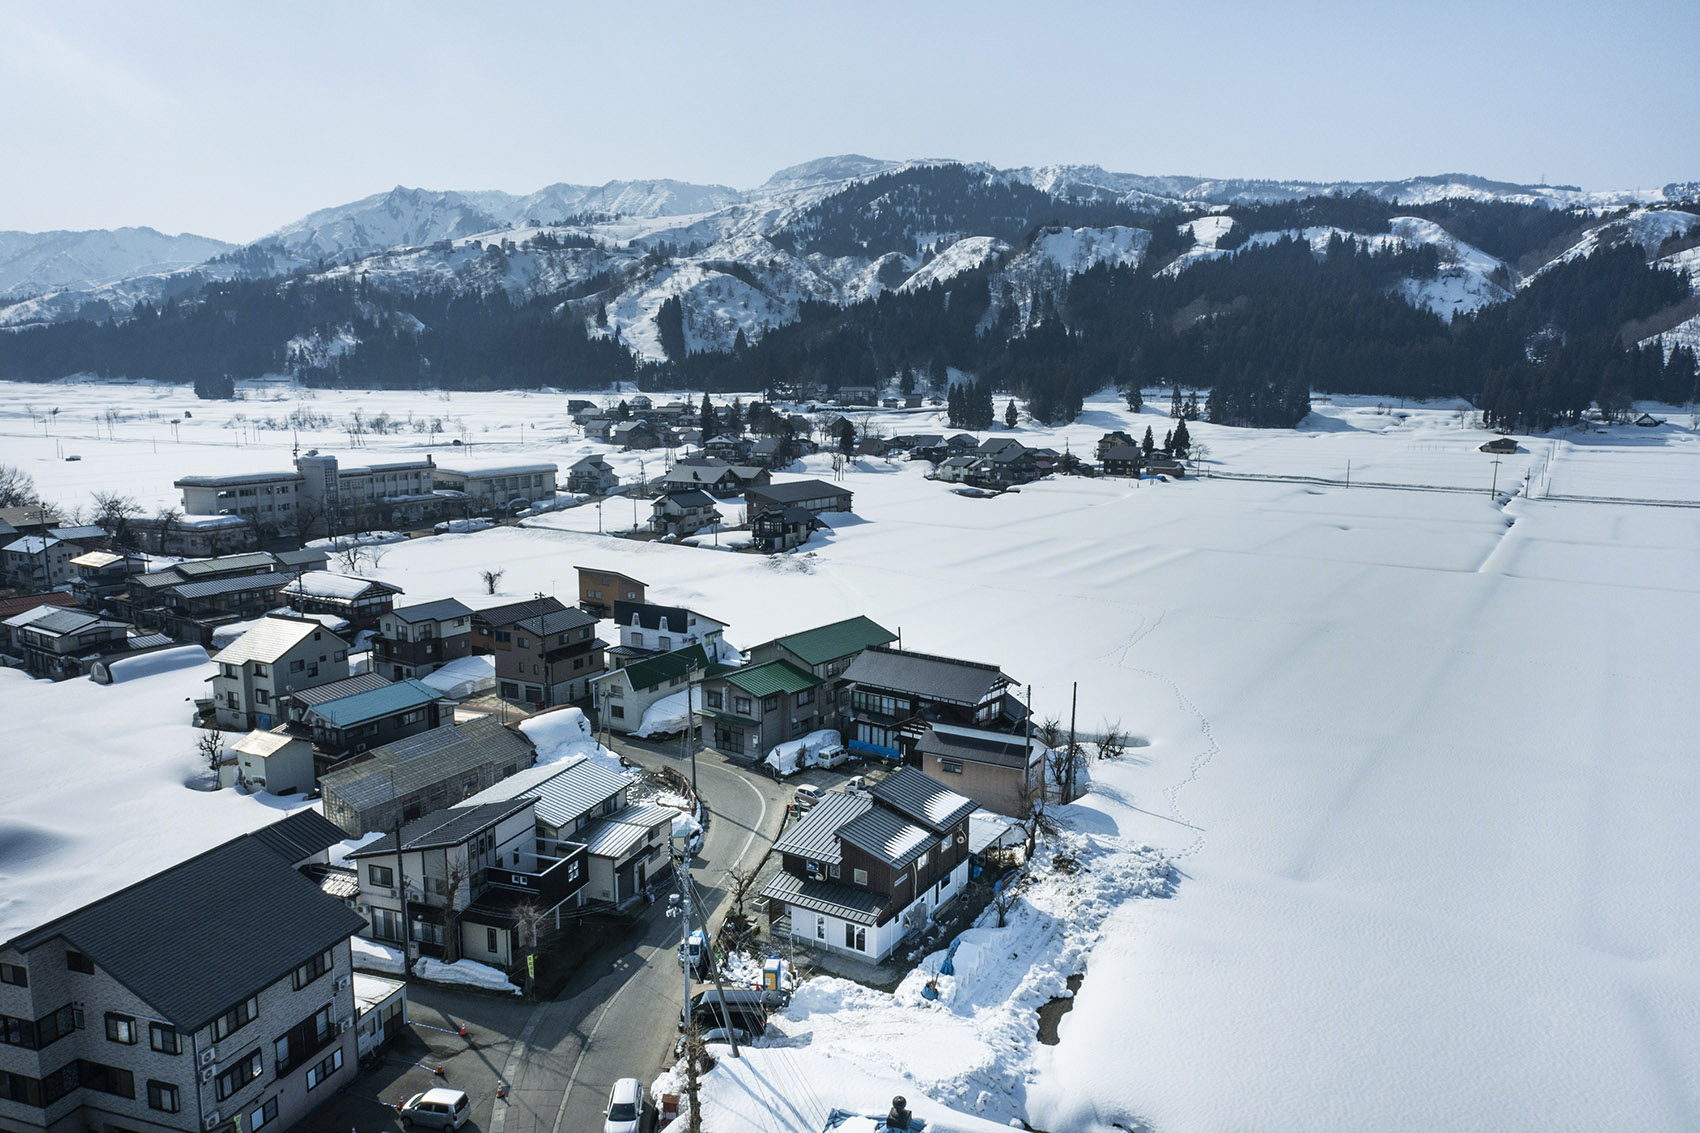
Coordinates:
492	579
306	519
114	511
739	883
17	487
165	519
1112	744
1064	764
1034	817
695	1052
451	888
1004	899
210	746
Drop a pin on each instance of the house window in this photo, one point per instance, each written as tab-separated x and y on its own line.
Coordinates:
921	864
954	766
832	870
314	968
807	696
593	593
521	643
247	1068
15	974
617	712
859	876
297	666
381	875
163	1097
234	1020
820	928
664	643
260	696
714	698
490	940
263	1115
770	704
77	962
164	1039
17	1032
106	1079
741	705
259	669
325	1069
121	1029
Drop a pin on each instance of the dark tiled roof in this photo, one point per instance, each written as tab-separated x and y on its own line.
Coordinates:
674	619
943	679
689	498
976	746
199	568
300	836
1125	453
444	827
834	898
795	492
840	639
195	939
336	690
439	611
430	757
234	585
816	836
922	798
557	621
888	836
514	611
306	556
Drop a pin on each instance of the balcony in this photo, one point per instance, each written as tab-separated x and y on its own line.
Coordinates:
549	880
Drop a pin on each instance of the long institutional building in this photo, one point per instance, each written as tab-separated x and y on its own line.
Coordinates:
321	497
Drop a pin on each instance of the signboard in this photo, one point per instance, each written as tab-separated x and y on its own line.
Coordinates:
531	967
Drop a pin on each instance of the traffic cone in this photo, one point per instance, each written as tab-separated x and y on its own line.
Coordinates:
501	1089
463	1030
438	1070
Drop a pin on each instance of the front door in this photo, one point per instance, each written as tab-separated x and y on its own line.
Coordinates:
642	877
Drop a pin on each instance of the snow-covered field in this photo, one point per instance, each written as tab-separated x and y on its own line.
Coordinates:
1420	758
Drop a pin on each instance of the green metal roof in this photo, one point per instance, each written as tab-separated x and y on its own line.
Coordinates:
775	676
369	705
840	639
652	671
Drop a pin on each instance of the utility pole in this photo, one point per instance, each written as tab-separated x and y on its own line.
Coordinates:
1073	755
689	738
1494	491
1348	473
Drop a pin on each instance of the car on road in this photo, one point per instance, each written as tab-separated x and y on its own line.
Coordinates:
436	1109
807	796
625	1107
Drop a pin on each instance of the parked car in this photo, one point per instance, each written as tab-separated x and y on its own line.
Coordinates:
438	1109
856	784
625	1107
807	796
833	756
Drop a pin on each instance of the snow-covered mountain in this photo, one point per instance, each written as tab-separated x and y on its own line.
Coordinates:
32	263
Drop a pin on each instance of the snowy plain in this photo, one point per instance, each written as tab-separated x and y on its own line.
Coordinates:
1419	756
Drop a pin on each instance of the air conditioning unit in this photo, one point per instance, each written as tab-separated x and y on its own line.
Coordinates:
209	1056
343	1025
342	982
208	1072
213	1119
363	908
961	838
816	872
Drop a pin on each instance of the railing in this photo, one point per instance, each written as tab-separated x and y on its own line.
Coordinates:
561	879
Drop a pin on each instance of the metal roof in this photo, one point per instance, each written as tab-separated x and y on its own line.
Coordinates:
193	568
192	940
653	671
59	620
922	798
564	792
375	702
943	679
410	764
336	690
840	639
888	836
328	584
796	491
775	676
96	559
647	615
300	836
443	828
441	610
233	585
302	557
816	836
510	612
834	898
273	636
557	621
978	746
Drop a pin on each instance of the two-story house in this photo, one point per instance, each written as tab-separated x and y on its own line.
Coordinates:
592	476
412	777
278	656
1122	460
647	630
683	512
862	871
193	600
599	589
100	575
33	605
706	474
816	495
549	658
751	709
826	651
346	717
59	643
895	692
1001	771
212	997
621	696
416	641
451	888
492	627
37	562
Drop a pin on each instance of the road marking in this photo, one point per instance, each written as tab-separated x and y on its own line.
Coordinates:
572	1078
499	1115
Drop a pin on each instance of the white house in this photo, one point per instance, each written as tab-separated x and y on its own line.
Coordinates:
276	657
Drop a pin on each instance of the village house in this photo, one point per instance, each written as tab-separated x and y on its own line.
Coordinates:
37	562
346	717
751	709
549	658
775	529
621	696
401	781
111	1022
416	641
359	601
492	627
646	630
191	601
825	652
280	655
1111	440
894	693
1122	460
104	574
682	513
16	604
450	886
599	589
860	872
275	761
592	476
816	496
1000	771
708	474
58	643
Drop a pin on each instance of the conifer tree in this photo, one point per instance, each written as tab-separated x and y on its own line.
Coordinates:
1175	407
1010	415
1149	444
1182	441
708	420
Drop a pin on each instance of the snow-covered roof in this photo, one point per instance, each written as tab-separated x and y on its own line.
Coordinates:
326	584
472	470
262	744
31	545
270	640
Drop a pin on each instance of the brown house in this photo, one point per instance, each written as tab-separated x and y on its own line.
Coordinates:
1001	772
598	590
860	872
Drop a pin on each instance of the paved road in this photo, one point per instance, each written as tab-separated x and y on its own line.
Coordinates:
617	1018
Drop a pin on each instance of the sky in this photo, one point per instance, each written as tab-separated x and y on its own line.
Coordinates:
231	120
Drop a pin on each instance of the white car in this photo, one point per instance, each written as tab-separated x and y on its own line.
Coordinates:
625	1107
444	1109
807	796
